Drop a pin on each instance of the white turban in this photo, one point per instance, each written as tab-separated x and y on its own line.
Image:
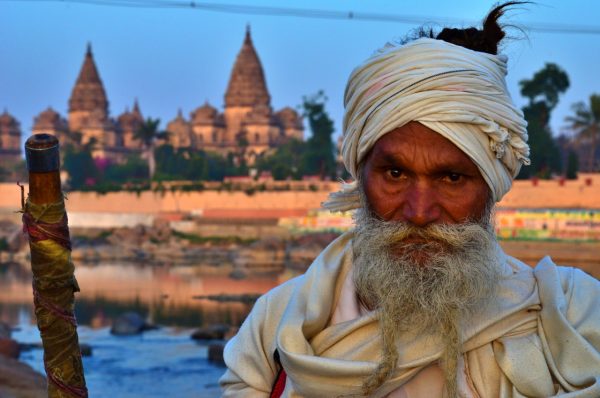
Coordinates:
459	93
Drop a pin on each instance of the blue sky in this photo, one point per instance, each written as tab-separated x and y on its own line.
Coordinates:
178	58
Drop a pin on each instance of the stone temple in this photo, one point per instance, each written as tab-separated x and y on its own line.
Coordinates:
247	122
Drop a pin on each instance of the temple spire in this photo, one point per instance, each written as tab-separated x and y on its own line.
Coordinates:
247	86
248	38
136	106
88	93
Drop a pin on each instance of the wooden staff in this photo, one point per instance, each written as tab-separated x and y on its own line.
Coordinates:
54	283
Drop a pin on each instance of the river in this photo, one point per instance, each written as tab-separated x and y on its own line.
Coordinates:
160	363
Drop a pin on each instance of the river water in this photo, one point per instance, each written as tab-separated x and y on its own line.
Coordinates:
160	363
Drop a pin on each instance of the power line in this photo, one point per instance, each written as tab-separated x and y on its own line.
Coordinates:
313	13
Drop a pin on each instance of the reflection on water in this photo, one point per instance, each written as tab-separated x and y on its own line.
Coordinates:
164	294
159	363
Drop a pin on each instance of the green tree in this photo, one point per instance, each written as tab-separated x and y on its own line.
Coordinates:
205	165
148	133
218	166
194	165
585	123
286	162
572	165
319	157
171	164
134	170
4	174
543	91
79	164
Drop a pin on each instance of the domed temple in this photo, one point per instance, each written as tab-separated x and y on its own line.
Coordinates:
89	121
247	122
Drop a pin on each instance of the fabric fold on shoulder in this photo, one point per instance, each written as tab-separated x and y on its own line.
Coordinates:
574	362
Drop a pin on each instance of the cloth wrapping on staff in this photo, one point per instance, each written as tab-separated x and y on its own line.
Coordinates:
459	93
540	337
53	286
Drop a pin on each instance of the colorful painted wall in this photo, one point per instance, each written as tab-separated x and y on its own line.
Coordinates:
518	224
548	224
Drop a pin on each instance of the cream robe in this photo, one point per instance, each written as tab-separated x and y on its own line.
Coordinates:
539	338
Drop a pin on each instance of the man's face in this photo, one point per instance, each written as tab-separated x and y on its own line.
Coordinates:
417	176
424	251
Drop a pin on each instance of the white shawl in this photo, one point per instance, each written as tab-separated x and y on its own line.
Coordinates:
539	338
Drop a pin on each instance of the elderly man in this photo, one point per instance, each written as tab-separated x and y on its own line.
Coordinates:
419	300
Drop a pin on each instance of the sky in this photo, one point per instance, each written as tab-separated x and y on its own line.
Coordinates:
172	59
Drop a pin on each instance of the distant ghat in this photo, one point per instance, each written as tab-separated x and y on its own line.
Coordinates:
548	210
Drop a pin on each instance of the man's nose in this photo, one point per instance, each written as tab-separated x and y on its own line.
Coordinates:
421	206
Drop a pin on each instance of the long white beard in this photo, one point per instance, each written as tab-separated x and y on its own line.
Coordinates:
422	280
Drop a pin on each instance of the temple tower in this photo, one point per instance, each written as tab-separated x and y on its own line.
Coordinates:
180	132
88	105
128	124
50	122
246	91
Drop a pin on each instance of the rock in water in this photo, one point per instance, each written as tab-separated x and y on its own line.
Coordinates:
215	353
86	350
212	332
238	274
5	330
9	348
129	324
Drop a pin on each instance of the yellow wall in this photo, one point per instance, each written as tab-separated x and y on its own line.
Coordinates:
547	194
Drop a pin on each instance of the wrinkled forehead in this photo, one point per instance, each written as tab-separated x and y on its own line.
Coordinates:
414	144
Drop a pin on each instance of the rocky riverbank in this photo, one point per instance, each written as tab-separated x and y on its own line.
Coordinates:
159	244
17	380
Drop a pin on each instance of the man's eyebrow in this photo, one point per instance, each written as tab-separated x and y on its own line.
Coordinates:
390	157
387	157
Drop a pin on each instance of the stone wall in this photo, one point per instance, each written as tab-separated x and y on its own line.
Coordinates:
583	193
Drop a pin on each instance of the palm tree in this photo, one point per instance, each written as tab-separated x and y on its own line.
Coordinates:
148	133
586	125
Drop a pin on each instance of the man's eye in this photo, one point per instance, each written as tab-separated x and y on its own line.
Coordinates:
453	177
395	173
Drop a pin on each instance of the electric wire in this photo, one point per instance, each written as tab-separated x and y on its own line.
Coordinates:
310	13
